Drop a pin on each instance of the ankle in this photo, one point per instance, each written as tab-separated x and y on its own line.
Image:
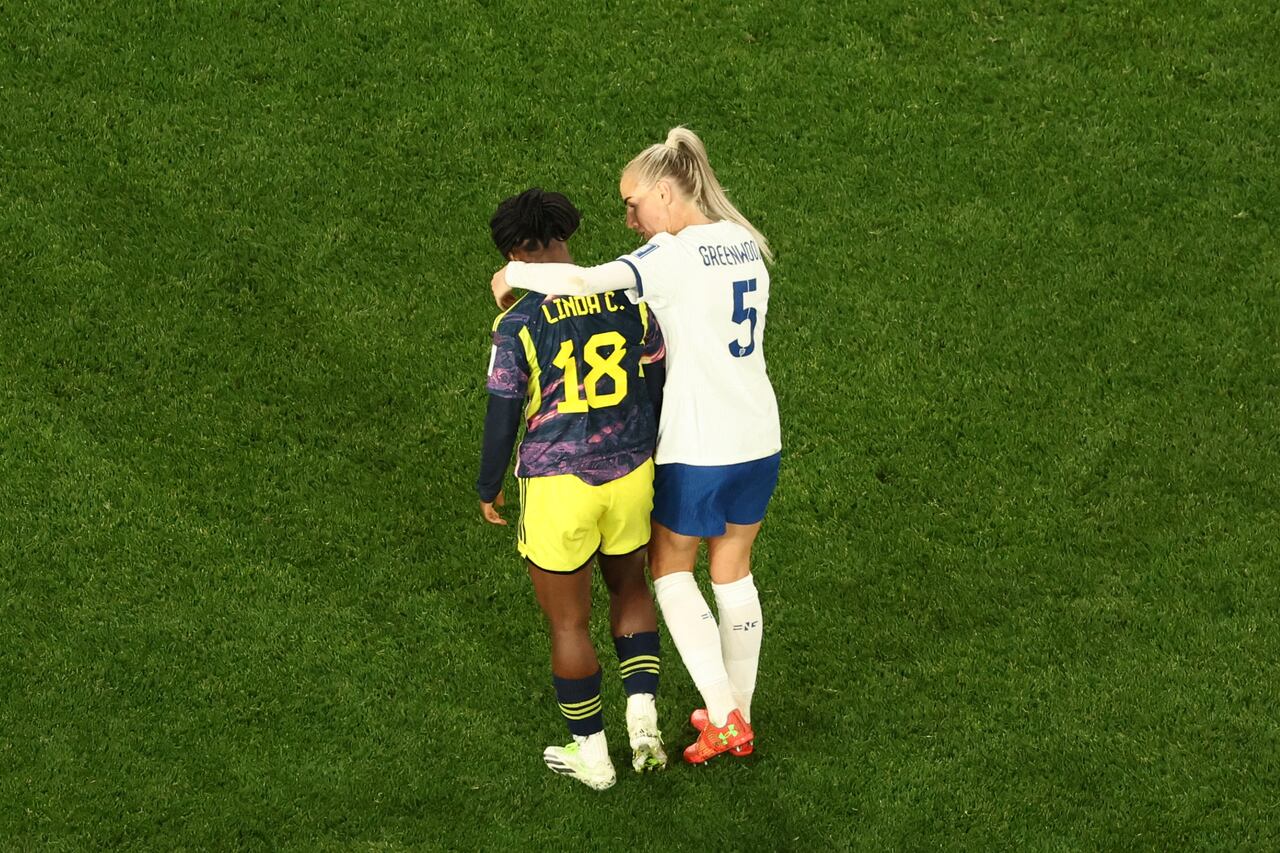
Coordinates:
643	704
593	747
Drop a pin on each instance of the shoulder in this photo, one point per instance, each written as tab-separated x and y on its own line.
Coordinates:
657	258
662	240
519	315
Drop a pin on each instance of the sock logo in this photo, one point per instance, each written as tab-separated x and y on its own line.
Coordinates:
706	616
747	626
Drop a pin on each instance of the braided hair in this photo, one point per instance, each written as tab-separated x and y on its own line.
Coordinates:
532	220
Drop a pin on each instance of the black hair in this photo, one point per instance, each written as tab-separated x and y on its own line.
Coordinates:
532	220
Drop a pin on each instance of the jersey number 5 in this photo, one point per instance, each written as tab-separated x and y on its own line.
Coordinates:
742	314
601	366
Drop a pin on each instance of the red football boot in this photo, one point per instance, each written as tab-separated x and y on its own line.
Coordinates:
699	719
714	740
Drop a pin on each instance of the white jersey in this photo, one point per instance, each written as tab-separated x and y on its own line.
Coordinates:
709	289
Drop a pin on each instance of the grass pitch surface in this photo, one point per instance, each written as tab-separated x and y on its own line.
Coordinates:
1019	576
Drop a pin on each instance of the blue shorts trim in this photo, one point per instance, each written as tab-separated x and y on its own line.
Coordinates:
698	500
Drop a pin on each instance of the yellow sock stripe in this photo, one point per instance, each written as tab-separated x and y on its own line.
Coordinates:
581	716
630	668
573	706
635	658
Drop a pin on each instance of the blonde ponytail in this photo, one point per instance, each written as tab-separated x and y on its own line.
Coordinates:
682	159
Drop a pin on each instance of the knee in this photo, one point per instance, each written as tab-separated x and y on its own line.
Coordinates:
673	558
566	626
627	585
729	572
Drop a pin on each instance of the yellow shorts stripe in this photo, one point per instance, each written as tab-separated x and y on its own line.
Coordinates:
520	526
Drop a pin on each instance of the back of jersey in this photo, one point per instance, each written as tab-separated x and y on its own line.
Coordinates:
579	361
709	288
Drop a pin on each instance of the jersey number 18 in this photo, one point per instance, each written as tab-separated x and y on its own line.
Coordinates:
601	366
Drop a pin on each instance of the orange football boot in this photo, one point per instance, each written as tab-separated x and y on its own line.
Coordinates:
699	719
715	740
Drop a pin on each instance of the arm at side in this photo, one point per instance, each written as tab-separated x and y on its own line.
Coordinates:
501	425
655	378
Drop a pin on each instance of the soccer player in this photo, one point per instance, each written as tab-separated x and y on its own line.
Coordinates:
703	273
584	374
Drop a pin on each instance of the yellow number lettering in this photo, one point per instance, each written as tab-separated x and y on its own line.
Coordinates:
601	366
573	402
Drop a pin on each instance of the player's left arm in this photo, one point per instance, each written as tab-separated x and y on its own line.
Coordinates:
655	378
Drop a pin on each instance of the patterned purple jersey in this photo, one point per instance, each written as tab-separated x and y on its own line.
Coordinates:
579	362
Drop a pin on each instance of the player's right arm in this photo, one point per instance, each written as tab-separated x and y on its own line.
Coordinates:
562	279
501	425
637	273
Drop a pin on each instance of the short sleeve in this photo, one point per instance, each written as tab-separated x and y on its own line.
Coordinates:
651	265
508	366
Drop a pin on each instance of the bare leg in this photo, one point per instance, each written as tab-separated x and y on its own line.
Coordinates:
730	554
671	552
566	602
631	609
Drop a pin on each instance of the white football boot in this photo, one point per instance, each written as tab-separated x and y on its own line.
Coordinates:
586	759
647	753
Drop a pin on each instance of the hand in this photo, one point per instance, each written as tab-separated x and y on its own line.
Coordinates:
490	514
502	293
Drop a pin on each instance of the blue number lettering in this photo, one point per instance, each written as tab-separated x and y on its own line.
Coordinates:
740	315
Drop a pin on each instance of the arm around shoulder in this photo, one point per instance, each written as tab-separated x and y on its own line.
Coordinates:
569	279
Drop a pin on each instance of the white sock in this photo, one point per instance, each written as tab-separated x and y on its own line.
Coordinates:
741	627
641	709
694	631
642	704
594	748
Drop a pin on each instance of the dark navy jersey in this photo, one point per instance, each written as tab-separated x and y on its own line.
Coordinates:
579	362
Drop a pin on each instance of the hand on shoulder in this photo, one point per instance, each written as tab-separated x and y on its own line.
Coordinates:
502	292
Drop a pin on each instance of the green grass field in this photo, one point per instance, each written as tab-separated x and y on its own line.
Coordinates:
1020	573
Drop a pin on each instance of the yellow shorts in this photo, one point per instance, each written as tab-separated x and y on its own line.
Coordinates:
563	521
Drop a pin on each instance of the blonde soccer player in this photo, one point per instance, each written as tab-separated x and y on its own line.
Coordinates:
584	376
702	271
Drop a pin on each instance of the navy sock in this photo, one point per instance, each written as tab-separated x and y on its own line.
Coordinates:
638	662
579	700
